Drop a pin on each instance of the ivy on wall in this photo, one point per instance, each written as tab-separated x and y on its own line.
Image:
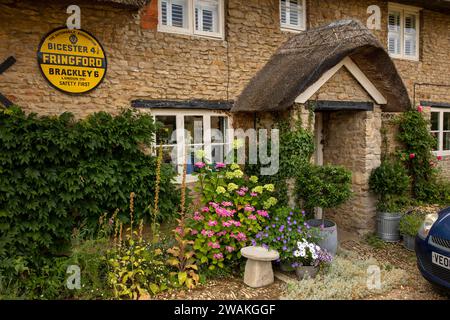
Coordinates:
57	173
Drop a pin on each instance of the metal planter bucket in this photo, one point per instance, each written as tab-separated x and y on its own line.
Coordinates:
328	234
408	242
387	226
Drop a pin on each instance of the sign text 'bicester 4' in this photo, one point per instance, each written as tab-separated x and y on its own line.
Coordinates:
72	60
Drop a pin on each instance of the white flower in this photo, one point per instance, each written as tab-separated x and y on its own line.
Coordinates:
296	253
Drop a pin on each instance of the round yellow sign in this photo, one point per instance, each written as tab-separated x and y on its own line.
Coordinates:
72	61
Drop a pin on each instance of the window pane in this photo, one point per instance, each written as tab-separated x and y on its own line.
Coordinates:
434	121
283	11
394	32
191	157
193	126
436	140
446	120
164	12
165	134
446	141
410	35
206	15
179	10
294	12
218	153
218	127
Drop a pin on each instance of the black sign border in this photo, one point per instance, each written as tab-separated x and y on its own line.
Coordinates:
51	84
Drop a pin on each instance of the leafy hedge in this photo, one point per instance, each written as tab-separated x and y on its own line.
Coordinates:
57	173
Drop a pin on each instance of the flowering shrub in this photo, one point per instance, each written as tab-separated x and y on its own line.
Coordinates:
235	210
285	228
310	254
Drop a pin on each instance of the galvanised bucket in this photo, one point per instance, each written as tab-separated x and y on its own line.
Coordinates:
387	226
409	242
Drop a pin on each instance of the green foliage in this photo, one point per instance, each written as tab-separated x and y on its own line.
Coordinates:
235	209
56	173
135	269
295	151
417	154
390	181
323	186
283	231
182	258
374	241
410	223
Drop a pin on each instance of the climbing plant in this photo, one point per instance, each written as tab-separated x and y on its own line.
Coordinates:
57	173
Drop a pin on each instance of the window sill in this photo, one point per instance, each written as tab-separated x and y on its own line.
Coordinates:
403	58
442	153
186	32
292	29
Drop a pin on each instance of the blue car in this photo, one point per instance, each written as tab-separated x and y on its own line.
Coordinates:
433	248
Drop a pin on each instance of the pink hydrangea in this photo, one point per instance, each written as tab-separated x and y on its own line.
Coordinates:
245	189
199	164
220	165
252	217
212	223
241	193
249	208
228	223
218	256
229	248
263	213
194	232
221	233
198	217
227	204
214	245
222	212
253	194
205	209
239	237
237	223
207	233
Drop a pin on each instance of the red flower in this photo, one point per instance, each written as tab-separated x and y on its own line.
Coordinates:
412	155
419	108
439	158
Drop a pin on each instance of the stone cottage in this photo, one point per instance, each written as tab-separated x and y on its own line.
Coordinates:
230	63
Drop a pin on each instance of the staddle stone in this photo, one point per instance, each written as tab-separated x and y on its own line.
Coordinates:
258	269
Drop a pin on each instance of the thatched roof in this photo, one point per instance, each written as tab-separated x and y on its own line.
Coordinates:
442	6
129	3
303	59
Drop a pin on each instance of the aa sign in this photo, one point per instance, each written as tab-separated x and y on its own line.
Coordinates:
72	60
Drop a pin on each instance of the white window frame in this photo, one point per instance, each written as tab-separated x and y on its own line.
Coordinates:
293	28
190	30
440	131
403	10
180	145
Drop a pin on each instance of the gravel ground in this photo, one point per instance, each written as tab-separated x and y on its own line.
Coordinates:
416	287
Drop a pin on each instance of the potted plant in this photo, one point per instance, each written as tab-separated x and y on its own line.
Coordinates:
309	257
324	187
391	183
285	228
409	226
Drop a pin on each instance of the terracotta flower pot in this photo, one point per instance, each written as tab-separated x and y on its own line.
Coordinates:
305	272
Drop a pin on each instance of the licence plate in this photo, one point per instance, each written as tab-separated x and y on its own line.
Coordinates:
440	260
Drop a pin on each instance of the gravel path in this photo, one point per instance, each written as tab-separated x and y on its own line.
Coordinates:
416	287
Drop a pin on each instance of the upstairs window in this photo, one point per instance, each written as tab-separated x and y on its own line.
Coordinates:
403	32
440	129
292	15
194	17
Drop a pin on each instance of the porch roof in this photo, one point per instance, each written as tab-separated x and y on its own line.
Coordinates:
303	59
